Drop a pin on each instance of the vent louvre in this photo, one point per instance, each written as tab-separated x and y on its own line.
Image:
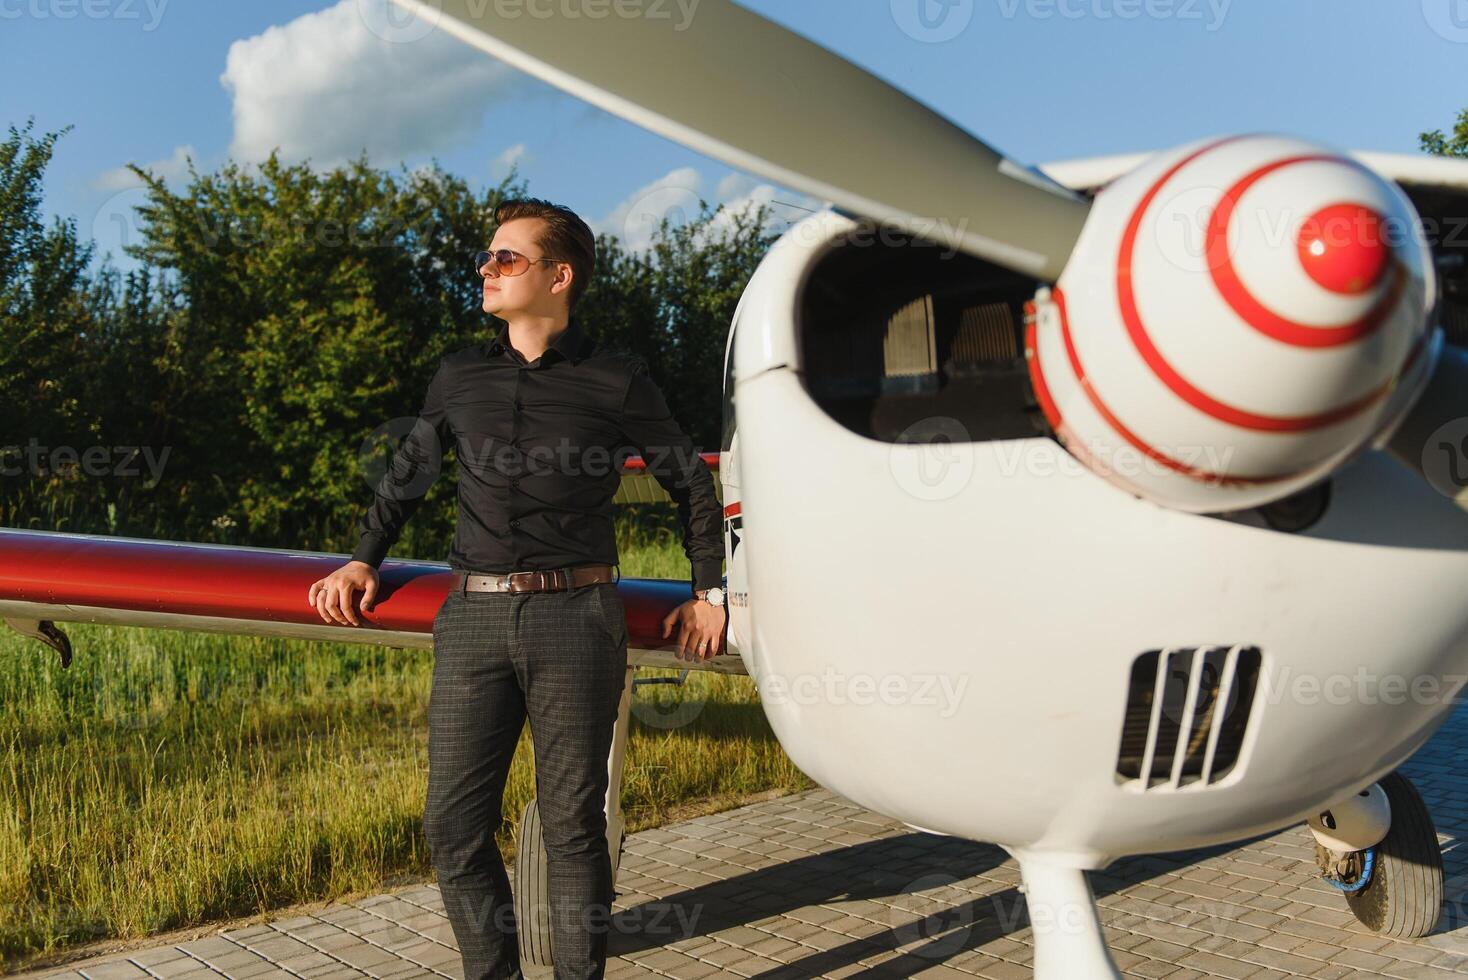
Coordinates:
1187	712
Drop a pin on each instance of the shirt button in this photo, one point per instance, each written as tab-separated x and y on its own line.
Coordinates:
518	404
515	522
514	484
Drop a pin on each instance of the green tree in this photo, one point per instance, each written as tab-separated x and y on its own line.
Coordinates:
283	315
43	293
318	304
65	372
675	303
1451	146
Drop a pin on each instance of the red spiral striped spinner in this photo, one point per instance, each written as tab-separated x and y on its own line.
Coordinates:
1179	385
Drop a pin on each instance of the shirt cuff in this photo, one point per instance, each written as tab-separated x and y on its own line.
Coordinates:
371	549
708	574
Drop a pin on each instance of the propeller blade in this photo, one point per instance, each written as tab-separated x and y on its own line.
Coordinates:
1430	440
737	87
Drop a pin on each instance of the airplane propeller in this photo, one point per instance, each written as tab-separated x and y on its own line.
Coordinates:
774	103
1428	435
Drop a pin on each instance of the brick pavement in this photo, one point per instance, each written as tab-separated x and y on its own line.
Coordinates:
810	885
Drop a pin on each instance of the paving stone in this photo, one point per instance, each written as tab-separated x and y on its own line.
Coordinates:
174	966
114	970
157	956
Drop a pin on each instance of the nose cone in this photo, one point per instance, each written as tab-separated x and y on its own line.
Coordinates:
1343	249
1234	322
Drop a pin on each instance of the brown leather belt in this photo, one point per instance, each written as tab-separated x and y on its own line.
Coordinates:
548	580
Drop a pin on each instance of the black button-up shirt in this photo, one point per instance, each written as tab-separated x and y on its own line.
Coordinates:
540	448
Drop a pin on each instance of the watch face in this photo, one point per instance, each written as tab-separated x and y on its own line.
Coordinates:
715	596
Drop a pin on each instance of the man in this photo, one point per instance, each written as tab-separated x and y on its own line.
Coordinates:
534	625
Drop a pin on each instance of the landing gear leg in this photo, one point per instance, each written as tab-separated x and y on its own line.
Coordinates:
1069	944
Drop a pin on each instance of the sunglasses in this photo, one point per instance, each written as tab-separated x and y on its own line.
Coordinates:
505	262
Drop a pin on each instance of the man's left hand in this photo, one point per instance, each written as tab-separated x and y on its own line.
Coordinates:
700	628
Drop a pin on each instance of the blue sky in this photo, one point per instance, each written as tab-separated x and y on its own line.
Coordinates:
150	81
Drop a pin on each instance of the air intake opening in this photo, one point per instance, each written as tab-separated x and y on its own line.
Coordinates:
1187	712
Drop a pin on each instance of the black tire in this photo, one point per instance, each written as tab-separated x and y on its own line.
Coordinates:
532	891
1404	897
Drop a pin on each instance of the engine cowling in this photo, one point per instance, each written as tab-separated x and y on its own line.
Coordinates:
1240	316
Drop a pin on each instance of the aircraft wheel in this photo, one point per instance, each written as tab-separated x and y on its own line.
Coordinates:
532	890
1404	896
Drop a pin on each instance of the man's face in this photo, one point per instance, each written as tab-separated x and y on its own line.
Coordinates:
543	290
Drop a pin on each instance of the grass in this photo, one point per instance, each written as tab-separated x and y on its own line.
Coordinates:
171	779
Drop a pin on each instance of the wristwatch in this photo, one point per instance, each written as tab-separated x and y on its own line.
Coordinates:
713	596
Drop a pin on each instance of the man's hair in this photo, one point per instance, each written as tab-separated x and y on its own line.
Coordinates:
565	237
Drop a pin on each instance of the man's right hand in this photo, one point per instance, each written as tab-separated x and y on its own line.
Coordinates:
332	596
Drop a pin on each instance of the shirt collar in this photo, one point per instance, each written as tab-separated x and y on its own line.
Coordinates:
570	344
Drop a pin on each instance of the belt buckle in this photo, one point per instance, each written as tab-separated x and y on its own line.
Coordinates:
534	580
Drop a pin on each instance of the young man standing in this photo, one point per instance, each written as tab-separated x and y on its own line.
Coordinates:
533	626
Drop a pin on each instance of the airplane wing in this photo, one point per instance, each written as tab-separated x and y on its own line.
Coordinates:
48	577
641	487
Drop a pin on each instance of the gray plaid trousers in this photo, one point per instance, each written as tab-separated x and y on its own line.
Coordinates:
560	658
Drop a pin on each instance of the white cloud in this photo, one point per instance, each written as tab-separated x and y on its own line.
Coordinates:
734	184
169	169
330	84
676	195
736	197
500	166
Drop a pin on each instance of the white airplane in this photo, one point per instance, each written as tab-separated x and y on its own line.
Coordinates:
1231	339
1155	452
